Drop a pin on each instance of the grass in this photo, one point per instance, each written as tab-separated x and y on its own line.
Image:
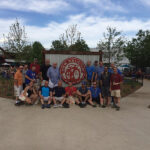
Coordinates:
129	86
7	87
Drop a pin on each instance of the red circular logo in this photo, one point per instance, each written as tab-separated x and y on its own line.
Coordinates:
72	70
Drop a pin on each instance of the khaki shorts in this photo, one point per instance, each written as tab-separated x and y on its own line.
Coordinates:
18	90
59	98
115	93
46	98
71	99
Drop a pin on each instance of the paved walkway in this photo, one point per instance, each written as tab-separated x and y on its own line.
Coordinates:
31	128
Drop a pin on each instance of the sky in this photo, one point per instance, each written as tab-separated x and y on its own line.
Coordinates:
45	20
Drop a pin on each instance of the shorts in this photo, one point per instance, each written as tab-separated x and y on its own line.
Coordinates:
71	99
46	98
115	93
96	99
18	90
106	92
59	98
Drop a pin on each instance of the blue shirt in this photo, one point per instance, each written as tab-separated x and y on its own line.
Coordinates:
95	92
53	74
83	90
90	70
100	70
110	70
31	75
45	91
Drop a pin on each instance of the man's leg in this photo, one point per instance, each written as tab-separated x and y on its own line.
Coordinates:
42	102
28	100
34	98
91	102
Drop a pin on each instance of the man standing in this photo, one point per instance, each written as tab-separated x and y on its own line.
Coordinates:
84	95
36	65
30	76
45	94
111	69
96	95
105	85
100	70
90	73
18	82
115	82
95	70
43	71
53	75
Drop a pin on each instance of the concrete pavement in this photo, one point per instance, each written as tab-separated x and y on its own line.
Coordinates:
31	128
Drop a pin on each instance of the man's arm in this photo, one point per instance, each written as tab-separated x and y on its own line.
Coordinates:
78	93
40	94
48	73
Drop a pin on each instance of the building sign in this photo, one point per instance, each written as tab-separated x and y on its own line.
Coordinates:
72	70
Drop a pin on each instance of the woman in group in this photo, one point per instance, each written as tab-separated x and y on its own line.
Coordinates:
29	94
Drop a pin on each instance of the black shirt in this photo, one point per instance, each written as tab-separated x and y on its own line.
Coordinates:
59	91
83	90
105	77
44	69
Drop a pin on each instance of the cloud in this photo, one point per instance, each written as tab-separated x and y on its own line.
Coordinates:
91	28
145	2
40	6
104	5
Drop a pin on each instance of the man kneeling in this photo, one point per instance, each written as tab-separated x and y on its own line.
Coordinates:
84	95
96	95
59	95
45	94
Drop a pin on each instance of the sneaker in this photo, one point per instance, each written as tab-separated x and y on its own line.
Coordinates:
94	105
48	106
149	106
103	106
117	108
60	105
81	106
42	106
55	106
18	103
65	105
113	106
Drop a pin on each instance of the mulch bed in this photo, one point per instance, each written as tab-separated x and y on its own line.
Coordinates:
7	87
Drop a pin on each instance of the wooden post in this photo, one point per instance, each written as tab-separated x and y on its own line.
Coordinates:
100	55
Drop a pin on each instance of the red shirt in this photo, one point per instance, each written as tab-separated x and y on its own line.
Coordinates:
70	90
37	67
117	79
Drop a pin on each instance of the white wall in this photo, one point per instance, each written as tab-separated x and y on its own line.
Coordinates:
60	58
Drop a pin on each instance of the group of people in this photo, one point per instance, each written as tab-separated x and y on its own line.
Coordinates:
43	83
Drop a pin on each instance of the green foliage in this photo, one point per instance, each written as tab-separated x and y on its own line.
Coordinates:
70	40
138	50
37	49
59	45
112	46
33	51
80	45
16	40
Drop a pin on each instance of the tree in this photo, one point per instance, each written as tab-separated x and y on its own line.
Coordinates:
80	45
70	40
71	35
112	46
16	39
59	45
37	49
138	49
